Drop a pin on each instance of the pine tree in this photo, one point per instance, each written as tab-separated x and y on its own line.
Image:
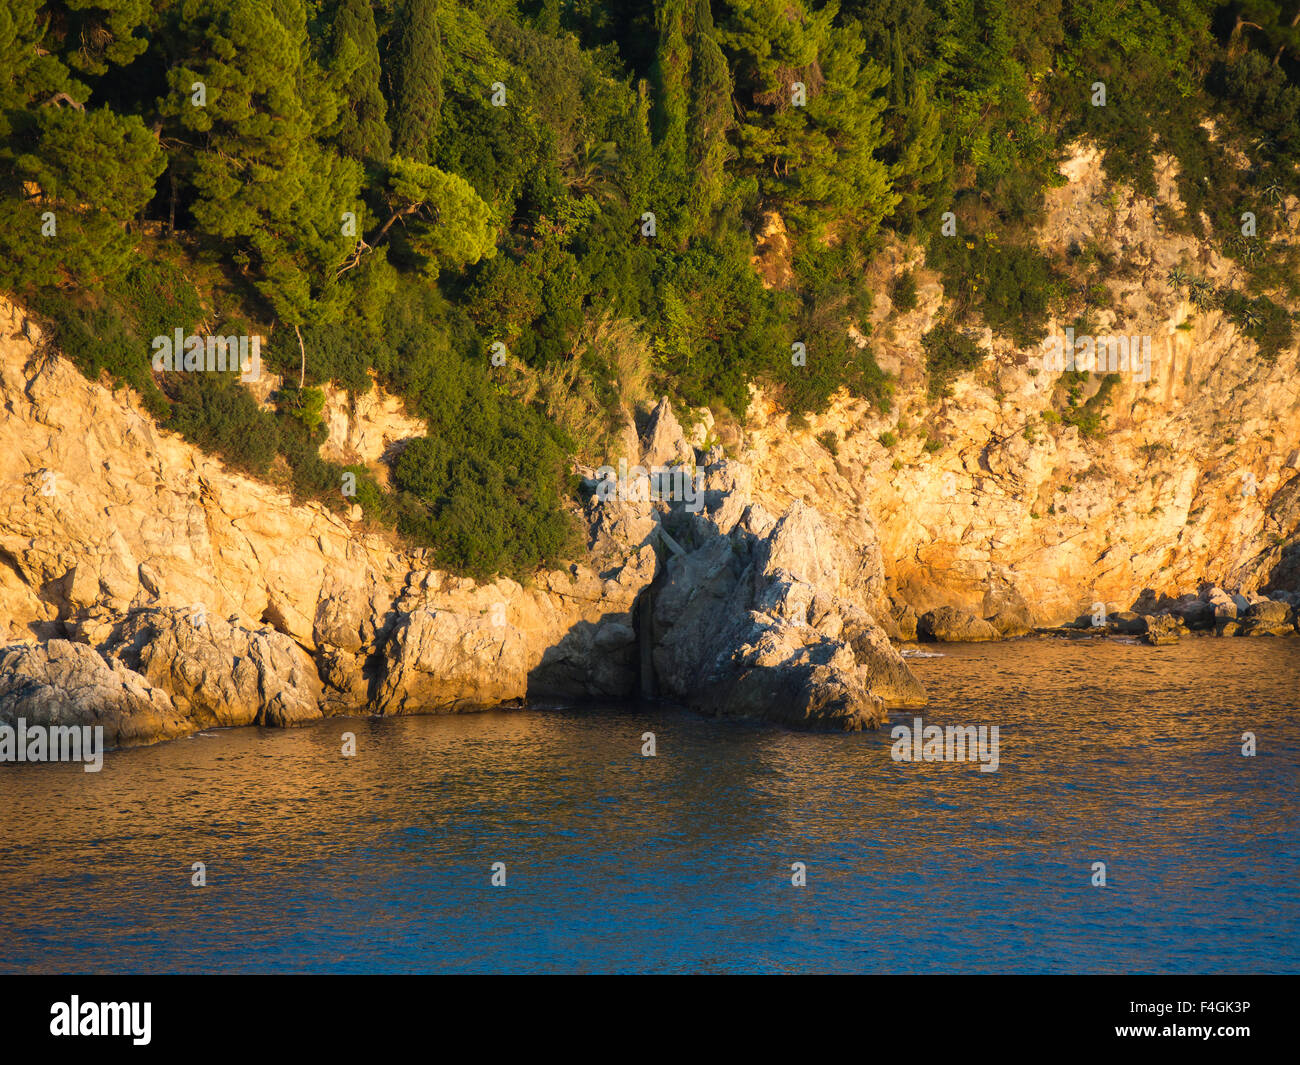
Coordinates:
417	94
71	177
257	173
354	45
91	172
446	221
818	160
101	33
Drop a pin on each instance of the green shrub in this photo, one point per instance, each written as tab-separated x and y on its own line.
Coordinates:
306	405
1011	286
375	503
903	292
949	352
1089	415
215	412
1265	322
488	499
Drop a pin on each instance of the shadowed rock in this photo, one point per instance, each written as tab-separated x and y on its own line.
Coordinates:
1163	629
949	625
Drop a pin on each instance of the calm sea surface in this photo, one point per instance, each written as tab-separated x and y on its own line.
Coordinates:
1110	752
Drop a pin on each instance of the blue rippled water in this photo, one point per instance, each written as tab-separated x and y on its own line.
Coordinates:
682	862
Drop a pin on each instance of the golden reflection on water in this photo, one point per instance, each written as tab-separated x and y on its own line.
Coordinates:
1108	752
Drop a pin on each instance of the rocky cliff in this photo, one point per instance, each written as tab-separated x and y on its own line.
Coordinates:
146	587
988	504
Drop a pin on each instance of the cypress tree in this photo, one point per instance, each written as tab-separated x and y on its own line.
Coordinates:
924	162
710	113
897	77
417	82
668	79
363	129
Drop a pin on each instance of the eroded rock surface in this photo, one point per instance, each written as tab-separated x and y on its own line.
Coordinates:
63	683
218	672
181	595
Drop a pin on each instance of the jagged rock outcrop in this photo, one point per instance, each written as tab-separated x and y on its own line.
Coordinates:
762	622
223	603
731	638
65	683
663	443
218	672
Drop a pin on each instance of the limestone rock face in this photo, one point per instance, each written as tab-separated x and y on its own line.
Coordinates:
364	427
457	645
1195	476
435	663
109	513
121	535
219	673
1006	610
64	683
773	595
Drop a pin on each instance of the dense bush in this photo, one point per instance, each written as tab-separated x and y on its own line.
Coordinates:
217	413
488	498
903	292
1010	286
949	352
1271	326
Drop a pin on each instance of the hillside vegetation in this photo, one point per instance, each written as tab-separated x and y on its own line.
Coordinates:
528	218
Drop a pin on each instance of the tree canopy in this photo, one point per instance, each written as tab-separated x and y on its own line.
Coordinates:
526	217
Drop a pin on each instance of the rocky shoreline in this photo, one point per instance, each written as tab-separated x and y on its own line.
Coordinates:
1154	619
148	589
710	603
715	606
